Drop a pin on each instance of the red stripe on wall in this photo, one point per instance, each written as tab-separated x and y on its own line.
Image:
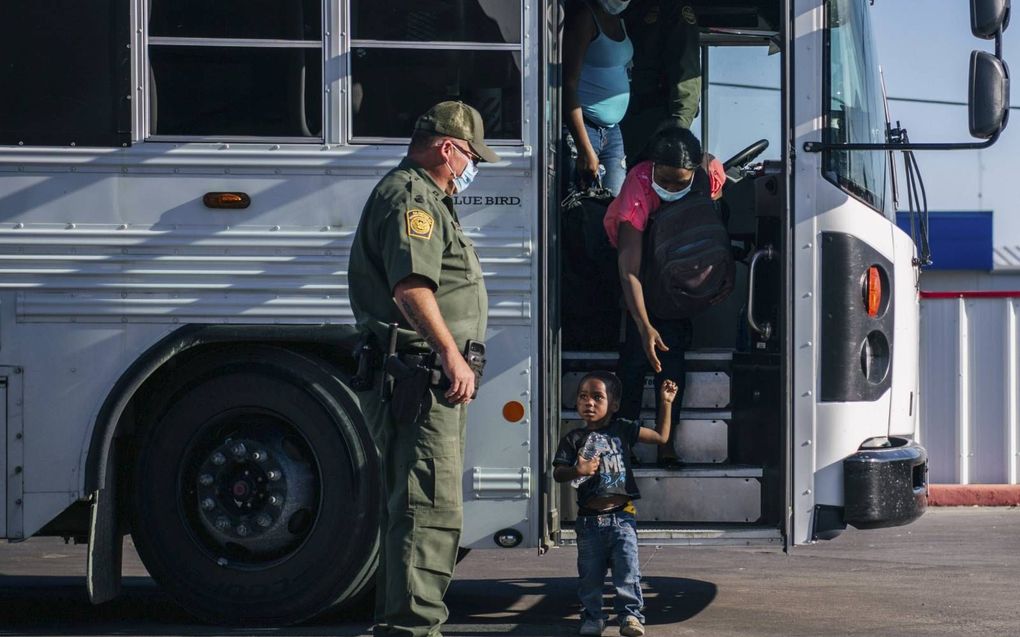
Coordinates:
991	294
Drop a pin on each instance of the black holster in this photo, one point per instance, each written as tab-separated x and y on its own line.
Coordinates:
412	376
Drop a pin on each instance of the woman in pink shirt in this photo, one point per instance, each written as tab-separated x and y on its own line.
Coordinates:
673	171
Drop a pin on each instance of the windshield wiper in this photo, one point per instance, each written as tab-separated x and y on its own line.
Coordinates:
917	198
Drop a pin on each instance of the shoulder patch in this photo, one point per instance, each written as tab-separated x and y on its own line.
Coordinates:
419	224
688	14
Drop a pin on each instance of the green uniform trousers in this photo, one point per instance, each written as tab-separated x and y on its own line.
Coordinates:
422	513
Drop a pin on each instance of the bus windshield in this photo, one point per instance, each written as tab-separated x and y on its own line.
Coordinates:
854	110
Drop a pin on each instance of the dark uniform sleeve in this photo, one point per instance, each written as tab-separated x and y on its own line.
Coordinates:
412	241
682	64
566	453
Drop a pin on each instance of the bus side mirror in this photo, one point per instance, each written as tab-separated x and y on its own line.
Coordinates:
989	94
988	17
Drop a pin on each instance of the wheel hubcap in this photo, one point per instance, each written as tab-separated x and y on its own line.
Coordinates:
253	493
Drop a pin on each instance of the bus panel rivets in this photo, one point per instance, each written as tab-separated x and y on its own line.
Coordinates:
205	479
208	504
807	491
218	458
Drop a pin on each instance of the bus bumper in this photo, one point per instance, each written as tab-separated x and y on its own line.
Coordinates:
885	486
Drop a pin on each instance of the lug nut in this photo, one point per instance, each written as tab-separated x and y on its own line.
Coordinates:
239	449
259	456
263	520
242	530
274	475
222	561
205	479
218	458
208	504
275	500
222	524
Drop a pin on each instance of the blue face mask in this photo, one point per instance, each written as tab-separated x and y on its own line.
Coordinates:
668	195
465	178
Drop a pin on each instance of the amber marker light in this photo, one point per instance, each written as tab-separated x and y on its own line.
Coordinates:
226	200
513	411
873	297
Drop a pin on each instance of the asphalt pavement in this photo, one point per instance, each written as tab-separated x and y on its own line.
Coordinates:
954	572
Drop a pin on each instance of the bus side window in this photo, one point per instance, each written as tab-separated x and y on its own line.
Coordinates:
65	73
218	69
397	72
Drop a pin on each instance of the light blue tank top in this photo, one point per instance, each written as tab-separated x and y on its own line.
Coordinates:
604	86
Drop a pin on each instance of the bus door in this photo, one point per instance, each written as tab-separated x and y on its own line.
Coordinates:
729	483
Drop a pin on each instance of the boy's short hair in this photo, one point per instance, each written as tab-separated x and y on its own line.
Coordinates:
614	388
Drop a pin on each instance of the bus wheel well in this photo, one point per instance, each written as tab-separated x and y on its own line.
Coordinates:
116	420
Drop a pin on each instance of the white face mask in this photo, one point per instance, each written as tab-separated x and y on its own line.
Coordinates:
669	195
614	7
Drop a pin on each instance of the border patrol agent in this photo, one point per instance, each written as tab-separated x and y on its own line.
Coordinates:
416	286
666	76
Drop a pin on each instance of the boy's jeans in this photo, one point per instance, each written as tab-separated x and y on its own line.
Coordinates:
608	541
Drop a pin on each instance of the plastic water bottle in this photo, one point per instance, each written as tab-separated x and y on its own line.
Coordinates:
594	445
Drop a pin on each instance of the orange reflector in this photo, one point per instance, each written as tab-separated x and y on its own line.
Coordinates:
874	299
230	200
513	411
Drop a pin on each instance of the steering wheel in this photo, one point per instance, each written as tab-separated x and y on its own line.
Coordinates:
747	155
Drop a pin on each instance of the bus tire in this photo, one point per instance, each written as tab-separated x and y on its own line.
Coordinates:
255	489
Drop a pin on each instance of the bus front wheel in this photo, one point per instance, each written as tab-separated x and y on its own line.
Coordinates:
255	490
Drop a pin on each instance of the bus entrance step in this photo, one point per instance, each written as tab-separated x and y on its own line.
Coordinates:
648	415
700	470
697	360
702	494
661	534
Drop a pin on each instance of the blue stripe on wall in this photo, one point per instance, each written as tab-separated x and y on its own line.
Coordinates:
959	240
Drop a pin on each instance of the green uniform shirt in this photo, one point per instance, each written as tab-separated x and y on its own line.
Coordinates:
666	74
409	226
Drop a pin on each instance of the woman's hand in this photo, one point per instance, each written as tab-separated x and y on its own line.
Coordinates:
587	166
652	341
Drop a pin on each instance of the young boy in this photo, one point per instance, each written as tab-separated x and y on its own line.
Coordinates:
606	530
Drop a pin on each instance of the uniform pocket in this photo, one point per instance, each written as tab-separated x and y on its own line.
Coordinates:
434	479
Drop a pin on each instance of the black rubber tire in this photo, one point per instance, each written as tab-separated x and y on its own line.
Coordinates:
336	559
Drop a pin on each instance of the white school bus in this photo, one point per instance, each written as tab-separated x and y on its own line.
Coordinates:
180	182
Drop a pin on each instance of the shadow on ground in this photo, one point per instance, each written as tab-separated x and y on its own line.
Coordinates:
46	605
549	606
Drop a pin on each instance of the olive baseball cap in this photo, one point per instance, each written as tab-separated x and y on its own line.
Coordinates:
460	121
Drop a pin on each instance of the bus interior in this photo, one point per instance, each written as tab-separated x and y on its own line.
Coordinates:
727	482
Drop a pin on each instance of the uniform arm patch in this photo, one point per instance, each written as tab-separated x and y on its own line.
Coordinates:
419	224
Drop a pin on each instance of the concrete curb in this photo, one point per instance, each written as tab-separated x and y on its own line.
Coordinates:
987	495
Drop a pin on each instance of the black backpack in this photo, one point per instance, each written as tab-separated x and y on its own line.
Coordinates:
687	261
588	271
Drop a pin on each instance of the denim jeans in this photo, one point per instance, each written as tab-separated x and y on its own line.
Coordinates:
607	142
676	334
608	541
